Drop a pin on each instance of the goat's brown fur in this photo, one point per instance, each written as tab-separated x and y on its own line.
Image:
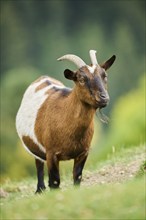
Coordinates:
33	148
70	134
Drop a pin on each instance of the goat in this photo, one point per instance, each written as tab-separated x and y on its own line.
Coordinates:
55	123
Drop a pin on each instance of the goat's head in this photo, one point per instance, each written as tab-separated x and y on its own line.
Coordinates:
91	81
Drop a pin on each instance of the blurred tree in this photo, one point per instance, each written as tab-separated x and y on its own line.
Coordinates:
13	85
128	118
30	30
127	125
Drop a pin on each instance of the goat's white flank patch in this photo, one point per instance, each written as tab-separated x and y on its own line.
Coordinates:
27	113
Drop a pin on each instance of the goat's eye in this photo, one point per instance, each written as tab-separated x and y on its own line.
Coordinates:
104	77
82	81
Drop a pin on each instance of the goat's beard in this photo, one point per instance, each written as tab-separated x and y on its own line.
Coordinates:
103	118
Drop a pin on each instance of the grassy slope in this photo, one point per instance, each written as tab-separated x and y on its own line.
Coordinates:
109	200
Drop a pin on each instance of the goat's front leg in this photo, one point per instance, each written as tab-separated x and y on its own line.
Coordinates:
53	171
40	176
79	163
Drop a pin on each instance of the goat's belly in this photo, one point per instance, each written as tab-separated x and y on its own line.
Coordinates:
71	154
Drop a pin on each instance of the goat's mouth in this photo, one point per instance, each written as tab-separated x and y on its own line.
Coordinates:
101	104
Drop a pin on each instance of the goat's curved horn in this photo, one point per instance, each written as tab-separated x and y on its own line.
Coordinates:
93	57
73	58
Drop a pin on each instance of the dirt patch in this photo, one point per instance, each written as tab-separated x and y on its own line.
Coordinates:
117	172
3	193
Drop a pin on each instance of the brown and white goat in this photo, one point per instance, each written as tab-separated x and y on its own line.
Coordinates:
55	123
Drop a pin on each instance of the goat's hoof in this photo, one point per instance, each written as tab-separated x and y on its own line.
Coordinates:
40	190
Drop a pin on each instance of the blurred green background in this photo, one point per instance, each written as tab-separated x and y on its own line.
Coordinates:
35	33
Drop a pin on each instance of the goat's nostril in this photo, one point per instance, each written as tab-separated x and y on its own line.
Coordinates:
103	96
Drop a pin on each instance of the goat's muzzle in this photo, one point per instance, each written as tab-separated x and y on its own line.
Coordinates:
103	100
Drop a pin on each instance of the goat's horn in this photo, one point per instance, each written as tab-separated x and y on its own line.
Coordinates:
93	57
73	58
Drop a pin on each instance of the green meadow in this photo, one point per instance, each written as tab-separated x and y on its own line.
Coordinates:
120	196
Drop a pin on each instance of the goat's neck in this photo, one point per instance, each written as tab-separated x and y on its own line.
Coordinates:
80	110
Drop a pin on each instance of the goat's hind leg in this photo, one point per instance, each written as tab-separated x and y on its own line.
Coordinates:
40	176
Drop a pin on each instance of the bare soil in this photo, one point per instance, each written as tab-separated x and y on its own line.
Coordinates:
115	172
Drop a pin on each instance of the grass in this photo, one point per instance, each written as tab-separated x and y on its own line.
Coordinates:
142	169
119	201
124	201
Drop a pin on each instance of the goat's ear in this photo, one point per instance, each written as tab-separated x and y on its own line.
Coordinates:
108	63
70	75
